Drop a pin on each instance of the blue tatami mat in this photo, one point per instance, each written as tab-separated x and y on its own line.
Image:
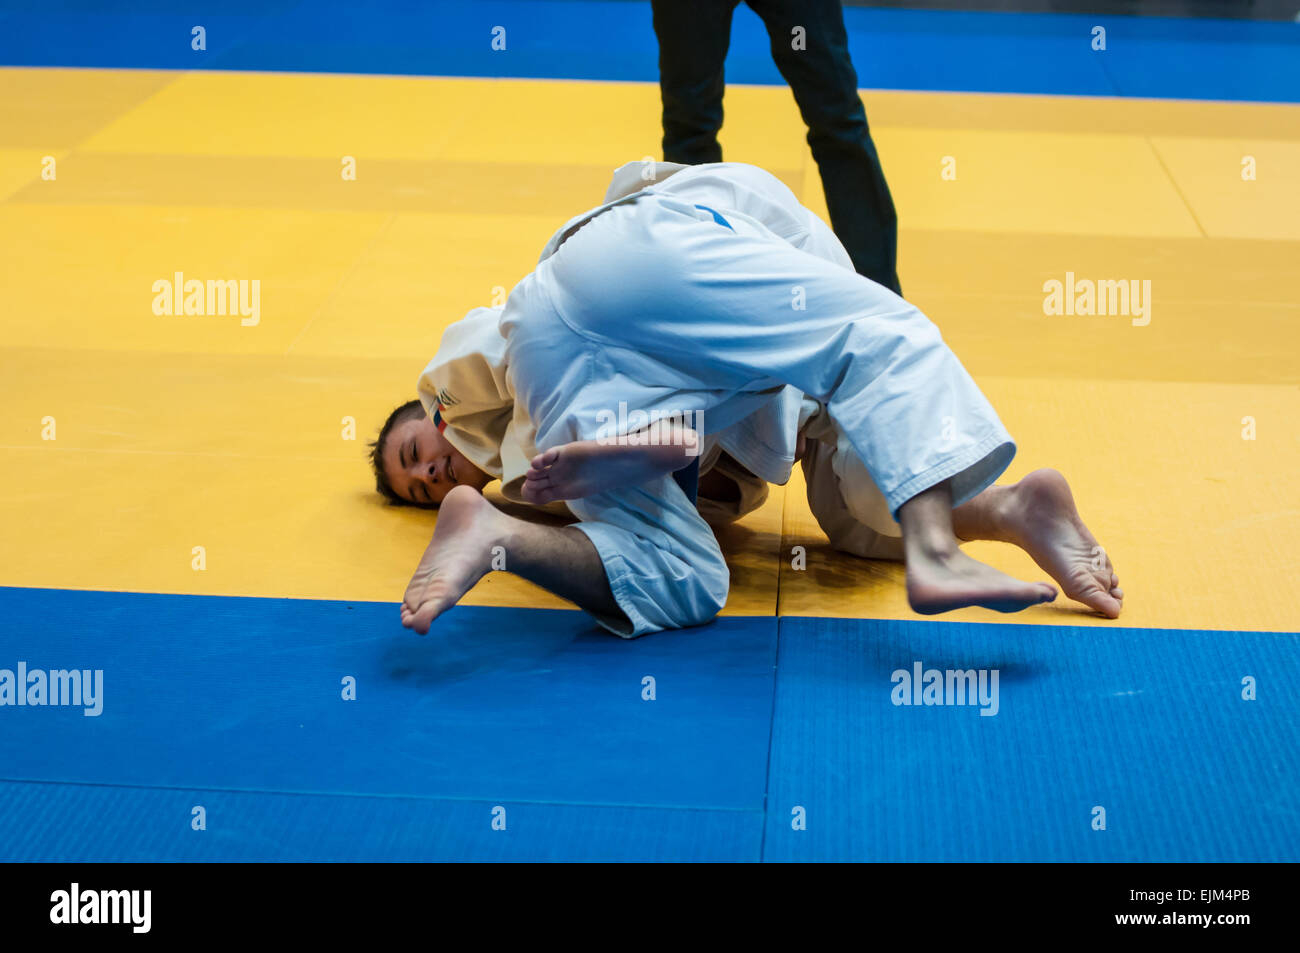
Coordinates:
235	705
500	705
614	40
81	823
1148	724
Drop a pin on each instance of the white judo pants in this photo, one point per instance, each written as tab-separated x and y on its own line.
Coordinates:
657	304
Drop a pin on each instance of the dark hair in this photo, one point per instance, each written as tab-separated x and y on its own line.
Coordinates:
411	410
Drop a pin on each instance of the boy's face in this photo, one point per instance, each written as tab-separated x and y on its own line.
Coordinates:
423	467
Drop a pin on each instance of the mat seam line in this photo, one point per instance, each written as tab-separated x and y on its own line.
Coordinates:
382	796
1160	160
343	280
776	663
1098	625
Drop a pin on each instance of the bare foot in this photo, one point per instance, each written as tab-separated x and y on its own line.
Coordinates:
587	467
945	579
1038	515
459	555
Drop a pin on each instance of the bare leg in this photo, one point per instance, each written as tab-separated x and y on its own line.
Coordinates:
941	577
560	559
1038	515
586	467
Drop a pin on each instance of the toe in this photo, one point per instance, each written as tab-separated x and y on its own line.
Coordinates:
1102	602
538	493
424	618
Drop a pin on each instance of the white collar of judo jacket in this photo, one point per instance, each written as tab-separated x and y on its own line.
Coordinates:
465	389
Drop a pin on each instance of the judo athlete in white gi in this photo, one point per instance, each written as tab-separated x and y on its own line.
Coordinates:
707	295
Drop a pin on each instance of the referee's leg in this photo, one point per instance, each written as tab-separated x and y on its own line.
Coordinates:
693	39
825	86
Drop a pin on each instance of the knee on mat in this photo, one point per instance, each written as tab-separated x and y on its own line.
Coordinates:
866	543
705	591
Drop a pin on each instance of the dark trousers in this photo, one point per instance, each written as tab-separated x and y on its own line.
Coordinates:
693	39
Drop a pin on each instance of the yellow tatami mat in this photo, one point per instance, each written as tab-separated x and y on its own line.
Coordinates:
133	438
